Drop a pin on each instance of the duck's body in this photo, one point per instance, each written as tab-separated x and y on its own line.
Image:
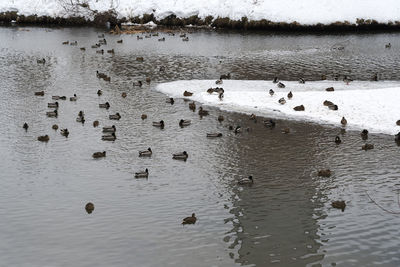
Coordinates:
43	138
52	105
161	39
187	93
101	51
388	45
115	116
99	92
282	101
367	147
299	108
184	123
52	113
186	39
218	82
109	129
271	92
192	106
343	121
301	80
82	49
330	89
96	123
325	173
25	126
290	95
111	51
364	134
213	135
104	105
281	85
190	220
119	41
183	155
339	205
143	117
337	140
146	153
80	119
110	137
97	155
54	127
159	124
246	181
73	98
123	94
143	174
203	112
40	93
64	132
220	118
333	107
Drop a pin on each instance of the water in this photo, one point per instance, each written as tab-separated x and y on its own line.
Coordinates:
284	219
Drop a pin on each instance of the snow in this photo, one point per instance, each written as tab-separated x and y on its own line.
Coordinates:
366	105
304	12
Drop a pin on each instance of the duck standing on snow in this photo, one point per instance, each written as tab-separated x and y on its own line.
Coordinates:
301	80
271	92
282	101
290	95
281	85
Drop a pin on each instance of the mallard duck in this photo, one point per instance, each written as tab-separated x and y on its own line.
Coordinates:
55	97
203	112
89	207
301	80
183	155
330	89
143	117
220	95
52	113
65	43
271	92
397	137
111	51
74	43
54	127
190	220
192	106
97	155
43	138
80	119
40	93
159	124
52	105
123	94
183	123
95	123
328	103
141	59
81	113
246	181
148	79
347	80
110	137
333	107
41	61
218	82
82	49
367	147
282	101
275	80
139	37
364	134
269	123
119	41
161	39
324	173
281	85
186	39
101	51
73	98
212	135
109	129
238	129
337	140
388	45
290	95
225	76
145	153
105	105
220	118
299	108
63	97
138	83
115	116
100	75
186	93
339	205
107	79
25	126
144	174
170	101
99	92
64	132
343	121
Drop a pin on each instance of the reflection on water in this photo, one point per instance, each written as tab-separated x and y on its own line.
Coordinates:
284	219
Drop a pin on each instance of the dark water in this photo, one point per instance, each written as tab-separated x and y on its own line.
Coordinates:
284	219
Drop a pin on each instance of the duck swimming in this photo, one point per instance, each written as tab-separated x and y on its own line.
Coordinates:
116	116
144	174
301	80
40	93
143	117
337	140
367	147
89	207
190	220
364	134
105	105
25	126
213	135
220	118
299	108
73	98
95	123
99	92
146	153
339	205
182	156
111	137
269	123
330	89
109	129
52	105
41	61
246	181
184	123
43	138
192	106
203	112
64	132
54	127
170	101
324	173
238	129
187	93
159	124
97	155
52	113
282	101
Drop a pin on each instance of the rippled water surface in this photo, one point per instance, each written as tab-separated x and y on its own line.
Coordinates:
284	219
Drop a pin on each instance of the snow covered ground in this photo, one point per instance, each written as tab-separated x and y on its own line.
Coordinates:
304	12
366	105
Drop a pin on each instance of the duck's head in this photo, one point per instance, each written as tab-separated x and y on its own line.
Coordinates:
113	126
184	153
118	114
364	132
146	170
181	121
161	122
149	149
251	178
193	215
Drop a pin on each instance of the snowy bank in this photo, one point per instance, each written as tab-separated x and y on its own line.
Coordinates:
365	105
308	12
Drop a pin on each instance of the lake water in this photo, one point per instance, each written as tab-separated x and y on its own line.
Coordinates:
284	219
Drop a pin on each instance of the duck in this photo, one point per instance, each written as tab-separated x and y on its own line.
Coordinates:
187	93
110	137
99	92
367	147
54	127
271	92
397	137
339	204
139	37
286	130
95	123
80	119
111	51
140	59
143	117
221	96
109	129
143	174
182	35
333	107
105	105
398	123
299	108
347	80
218	82
269	123
74	43
238	129
246	181
73	98
25	126
154	34
161	39
328	103
213	135
337	140
281	85
52	105
89	207
138	83
119	41
145	153
364	134
107	79
101	51
148	79
253	117
100	75
43	138
65	43
162	68
343	121
82	49
115	116
220	118
324	173
183	155
190	220
275	80
203	112
192	106
41	61
40	93
81	113
159	124
184	123
186	39
170	101
290	95
301	80
123	94
52	113
225	76
97	155
330	89
282	101
388	45
64	132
